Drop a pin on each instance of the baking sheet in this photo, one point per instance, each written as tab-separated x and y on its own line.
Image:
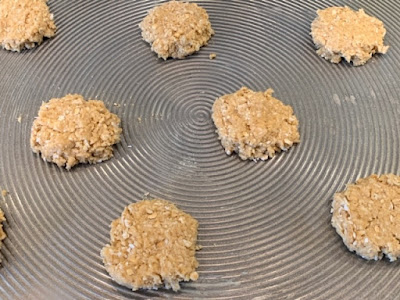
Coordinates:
264	227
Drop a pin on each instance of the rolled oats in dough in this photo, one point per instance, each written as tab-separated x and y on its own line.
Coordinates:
254	124
367	216
24	23
153	244
340	32
70	130
176	29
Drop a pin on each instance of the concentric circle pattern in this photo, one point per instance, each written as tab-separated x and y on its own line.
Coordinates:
264	227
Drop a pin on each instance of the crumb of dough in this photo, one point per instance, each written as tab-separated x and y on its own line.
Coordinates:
176	29
19	119
71	130
213	55
254	124
2	233
340	32
4	193
367	216
24	23
153	244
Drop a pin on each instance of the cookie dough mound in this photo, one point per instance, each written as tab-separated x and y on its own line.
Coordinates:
153	243
176	29
367	216
341	32
254	124
70	130
24	23
2	233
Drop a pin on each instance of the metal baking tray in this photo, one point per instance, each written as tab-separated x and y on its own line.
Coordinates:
264	227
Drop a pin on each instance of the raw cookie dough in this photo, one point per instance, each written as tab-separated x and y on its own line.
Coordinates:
254	124
24	23
341	32
367	216
2	233
176	29
153	243
70	130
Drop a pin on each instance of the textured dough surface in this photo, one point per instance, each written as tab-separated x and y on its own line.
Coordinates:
176	29
153	243
70	130
254	124
24	23
340	32
367	216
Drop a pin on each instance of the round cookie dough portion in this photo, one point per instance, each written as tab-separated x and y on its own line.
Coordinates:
176	29
24	23
70	130
367	216
254	124
340	32
153	244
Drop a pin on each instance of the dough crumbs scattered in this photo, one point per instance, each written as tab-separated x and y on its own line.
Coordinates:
176	29
70	130
153	244
254	124
19	119
24	23
213	56
340	32
4	193
367	216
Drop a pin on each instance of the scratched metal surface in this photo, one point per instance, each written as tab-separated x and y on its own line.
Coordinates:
264	227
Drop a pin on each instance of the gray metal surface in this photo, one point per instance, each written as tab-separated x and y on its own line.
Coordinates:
264	227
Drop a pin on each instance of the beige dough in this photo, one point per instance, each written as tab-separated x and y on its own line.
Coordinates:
24	23
254	124
341	32
153	244
176	29
70	130
367	216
